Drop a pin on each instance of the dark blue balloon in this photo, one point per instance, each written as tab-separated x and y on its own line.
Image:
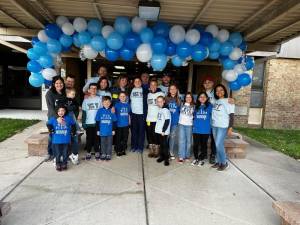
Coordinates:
234	85
66	40
159	45
213	55
199	27
94	26
53	31
235	38
215	45
40	48
48	82
98	43
111	55
226	48
229	64
158	62
33	66
244	79
146	35
249	62
84	37
132	41
199	52
161	29
240	60
65	49
126	53
53	46
222	58
177	61
183	49
76	41
115	41
34	40
46	61
243	46
206	38
31	54
171	48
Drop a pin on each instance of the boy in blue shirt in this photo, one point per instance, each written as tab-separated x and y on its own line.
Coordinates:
105	119
123	110
61	127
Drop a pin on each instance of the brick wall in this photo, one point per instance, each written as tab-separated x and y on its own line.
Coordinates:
282	94
242	103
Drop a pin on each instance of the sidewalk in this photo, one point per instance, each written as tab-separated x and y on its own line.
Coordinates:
23	114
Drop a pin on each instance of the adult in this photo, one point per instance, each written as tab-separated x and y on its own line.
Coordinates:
166	79
70	81
120	86
145	81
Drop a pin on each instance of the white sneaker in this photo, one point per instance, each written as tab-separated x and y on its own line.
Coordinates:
195	162
54	162
74	159
201	163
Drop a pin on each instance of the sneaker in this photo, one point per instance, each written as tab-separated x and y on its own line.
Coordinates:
195	162
201	163
74	158
119	154
159	160
88	156
223	167
58	167
180	160
108	157
216	165
54	161
166	163
48	158
133	150
103	157
64	167
212	159
97	156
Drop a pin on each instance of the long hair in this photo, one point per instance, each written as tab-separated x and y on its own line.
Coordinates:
224	88
56	78
169	97
189	93
100	80
198	103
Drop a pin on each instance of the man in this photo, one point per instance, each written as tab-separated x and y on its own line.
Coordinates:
70	81
164	87
102	72
145	81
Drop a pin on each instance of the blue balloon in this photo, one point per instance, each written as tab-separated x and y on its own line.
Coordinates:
126	53
53	31
76	41
215	45
177	61
183	49
226	48
65	49
53	46
199	27
98	43
161	29
122	25
243	46
46	61
34	40
66	40
40	48
199	52
84	37
115	41
36	80
234	85
33	66
132	41
158	62
244	79
94	26
213	55
222	58
171	48
229	64
146	35
111	55
48	82
235	38
159	45
249	62
31	54
206	38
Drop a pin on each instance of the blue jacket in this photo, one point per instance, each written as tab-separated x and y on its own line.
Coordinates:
61	133
122	112
105	121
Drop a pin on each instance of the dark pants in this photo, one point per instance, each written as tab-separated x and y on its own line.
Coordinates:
50	148
153	138
137	131
164	149
122	138
92	139
212	145
74	144
200	141
60	150
106	145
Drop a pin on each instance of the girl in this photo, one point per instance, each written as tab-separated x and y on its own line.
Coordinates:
152	118
201	128
162	128
173	102
185	127
222	122
61	126
103	87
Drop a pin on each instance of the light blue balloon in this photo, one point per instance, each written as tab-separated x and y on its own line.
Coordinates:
158	62
183	49
76	40
213	55
33	66
98	43
122	25
177	61
229	64
236	38
36	80
53	46
31	54
84	37
226	48
159	45
199	52
115	41
66	40
215	45
40	48
146	35
46	61
94	26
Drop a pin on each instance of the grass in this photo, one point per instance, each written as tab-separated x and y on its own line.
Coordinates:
285	141
9	127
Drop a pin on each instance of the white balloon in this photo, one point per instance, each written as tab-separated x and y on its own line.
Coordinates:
185	63
239	68
229	75
192	36
68	28
89	52
79	24
138	24
177	34
223	35
42	36
61	20
106	30
213	29
144	52
102	53
236	54
49	73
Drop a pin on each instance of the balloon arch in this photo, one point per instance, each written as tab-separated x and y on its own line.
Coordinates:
154	45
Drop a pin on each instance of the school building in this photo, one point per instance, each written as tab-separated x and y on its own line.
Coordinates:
269	27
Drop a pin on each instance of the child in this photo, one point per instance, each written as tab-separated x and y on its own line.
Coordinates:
185	127
137	104
105	124
152	118
103	87
173	102
61	128
90	106
162	128
222	122
201	128
122	112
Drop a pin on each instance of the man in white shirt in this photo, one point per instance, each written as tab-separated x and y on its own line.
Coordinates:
102	72
164	87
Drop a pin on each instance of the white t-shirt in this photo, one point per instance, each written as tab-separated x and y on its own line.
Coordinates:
221	111
186	115
102	93
211	96
164	89
152	107
91	105
136	101
92	80
163	115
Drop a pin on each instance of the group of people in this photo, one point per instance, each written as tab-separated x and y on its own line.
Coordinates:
173	124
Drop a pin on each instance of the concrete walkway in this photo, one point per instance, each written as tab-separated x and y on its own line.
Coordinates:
23	114
135	190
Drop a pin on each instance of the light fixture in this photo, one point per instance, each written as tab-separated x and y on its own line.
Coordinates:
115	72
120	67
13	38
149	10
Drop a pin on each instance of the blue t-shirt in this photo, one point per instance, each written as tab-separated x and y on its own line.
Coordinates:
105	118
202	120
62	132
122	113
175	111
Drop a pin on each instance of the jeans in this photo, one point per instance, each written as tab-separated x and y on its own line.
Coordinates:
173	140
60	150
219	136
122	138
137	131
185	141
106	145
74	144
200	141
212	145
50	148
